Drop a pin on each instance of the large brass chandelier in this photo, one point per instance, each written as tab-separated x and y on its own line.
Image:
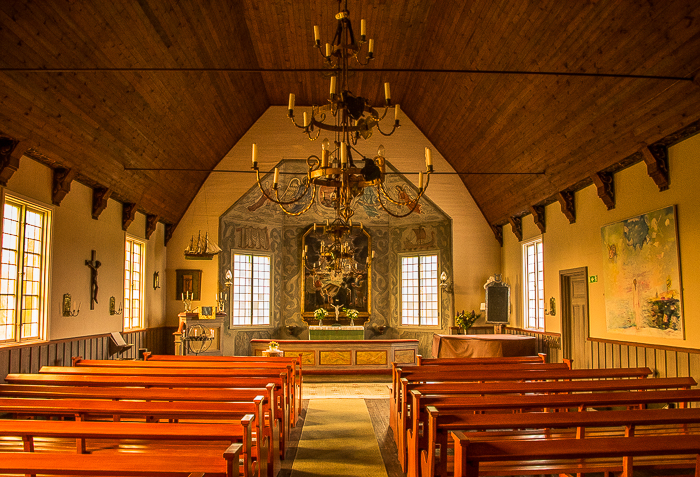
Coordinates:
342	166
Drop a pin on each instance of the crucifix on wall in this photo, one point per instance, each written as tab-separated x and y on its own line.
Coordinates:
94	265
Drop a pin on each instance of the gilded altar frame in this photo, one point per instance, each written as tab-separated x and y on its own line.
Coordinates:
349	289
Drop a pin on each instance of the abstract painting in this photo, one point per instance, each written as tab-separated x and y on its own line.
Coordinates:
642	275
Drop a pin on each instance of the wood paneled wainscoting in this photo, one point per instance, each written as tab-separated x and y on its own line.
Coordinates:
28	358
665	361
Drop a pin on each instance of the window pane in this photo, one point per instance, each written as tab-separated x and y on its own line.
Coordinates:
534	285
419	290
251	293
133	284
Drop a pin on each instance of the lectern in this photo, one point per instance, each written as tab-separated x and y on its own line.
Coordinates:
117	343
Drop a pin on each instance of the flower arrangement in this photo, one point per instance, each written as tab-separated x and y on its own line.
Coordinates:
273	345
352	314
320	314
466	320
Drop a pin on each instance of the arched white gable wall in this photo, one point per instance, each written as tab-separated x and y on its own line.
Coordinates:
476	251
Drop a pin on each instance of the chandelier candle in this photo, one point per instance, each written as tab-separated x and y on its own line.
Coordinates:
346	118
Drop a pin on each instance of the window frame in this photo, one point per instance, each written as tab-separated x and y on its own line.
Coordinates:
142	290
45	270
420	325
250	325
539	291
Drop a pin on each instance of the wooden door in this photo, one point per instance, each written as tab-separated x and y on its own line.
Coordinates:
574	309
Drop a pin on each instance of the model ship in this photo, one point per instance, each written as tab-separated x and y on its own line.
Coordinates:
201	248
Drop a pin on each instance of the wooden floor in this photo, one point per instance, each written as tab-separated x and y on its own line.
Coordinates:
379	413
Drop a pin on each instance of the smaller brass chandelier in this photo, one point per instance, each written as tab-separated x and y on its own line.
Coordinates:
337	256
342	166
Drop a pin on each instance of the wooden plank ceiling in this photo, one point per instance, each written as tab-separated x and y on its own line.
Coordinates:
98	87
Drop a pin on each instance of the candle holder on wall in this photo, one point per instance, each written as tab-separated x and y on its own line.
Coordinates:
67	311
113	307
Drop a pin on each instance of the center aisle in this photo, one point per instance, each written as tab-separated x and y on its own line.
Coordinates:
338	440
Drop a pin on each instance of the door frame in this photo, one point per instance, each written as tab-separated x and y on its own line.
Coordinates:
565	277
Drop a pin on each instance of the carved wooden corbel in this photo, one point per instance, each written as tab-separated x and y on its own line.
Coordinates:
566	200
9	162
516	225
169	229
100	196
128	214
151	224
62	179
656	159
605	183
538	215
498	232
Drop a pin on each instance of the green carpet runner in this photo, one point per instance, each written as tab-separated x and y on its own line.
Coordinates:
338	440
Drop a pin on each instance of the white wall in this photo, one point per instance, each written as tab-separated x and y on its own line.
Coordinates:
75	235
476	251
568	246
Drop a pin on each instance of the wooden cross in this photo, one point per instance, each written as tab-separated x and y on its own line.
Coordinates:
94	265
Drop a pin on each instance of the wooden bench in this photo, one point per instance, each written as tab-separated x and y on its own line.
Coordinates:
573	425
245	414
540	358
407	416
151	465
153	394
281	407
495	373
569	456
232	362
399	371
415	438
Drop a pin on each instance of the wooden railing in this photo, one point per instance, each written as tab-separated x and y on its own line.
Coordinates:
29	357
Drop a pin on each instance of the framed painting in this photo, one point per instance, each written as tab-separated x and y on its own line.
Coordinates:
328	283
188	282
642	275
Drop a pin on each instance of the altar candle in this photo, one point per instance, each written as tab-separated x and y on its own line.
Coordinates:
182	296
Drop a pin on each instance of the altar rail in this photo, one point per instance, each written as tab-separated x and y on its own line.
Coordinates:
345	356
30	357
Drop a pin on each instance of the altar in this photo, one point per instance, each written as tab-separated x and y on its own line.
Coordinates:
345	355
336	332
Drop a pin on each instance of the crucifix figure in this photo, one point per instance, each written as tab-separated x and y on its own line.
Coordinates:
94	265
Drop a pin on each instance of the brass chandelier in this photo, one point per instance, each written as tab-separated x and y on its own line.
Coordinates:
342	166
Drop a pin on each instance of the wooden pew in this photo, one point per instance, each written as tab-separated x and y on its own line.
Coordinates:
154	394
149	465
399	371
231	362
566	456
417	440
533	387
540	358
574	424
496	373
247	416
281	407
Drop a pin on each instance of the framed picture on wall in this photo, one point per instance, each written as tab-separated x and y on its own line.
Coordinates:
189	282
643	291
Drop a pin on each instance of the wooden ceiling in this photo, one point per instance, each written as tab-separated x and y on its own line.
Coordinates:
99	87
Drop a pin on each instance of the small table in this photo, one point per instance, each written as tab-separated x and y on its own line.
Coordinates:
483	346
336	332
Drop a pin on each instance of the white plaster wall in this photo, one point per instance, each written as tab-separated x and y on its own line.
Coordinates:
476	251
75	235
575	245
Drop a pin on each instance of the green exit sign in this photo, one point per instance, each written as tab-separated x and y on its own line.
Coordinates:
593	278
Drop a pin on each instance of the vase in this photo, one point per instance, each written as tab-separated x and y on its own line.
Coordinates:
320	322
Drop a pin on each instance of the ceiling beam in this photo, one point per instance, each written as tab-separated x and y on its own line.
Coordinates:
656	159
605	184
